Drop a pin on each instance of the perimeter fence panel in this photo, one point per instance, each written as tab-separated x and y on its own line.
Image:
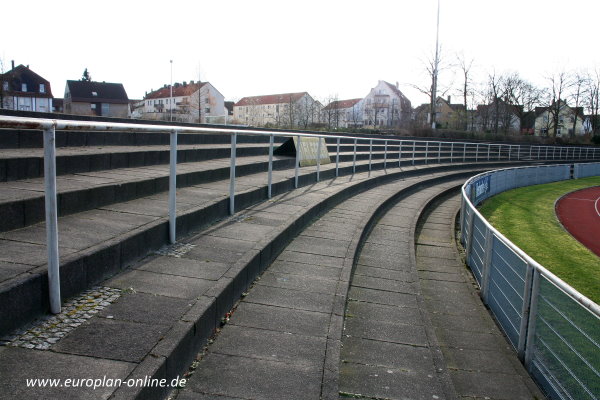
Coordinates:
506	289
553	328
566	346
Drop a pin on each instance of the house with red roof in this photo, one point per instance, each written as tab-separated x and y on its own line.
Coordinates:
343	114
292	110
23	89
194	102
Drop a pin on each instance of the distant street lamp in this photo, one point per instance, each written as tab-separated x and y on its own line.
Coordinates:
171	96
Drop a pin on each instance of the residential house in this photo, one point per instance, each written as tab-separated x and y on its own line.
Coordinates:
559	119
194	102
499	117
386	106
343	114
96	98
23	89
287	109
448	115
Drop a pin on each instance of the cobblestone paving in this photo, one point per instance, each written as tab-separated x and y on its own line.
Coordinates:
175	250
47	331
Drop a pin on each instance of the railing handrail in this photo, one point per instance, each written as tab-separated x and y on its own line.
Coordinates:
562	285
58	124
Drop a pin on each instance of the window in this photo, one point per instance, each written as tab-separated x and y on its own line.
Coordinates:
95	94
207	110
23	87
42	88
5	86
207	100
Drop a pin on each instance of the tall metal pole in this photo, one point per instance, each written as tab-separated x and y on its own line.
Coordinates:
435	70
171	94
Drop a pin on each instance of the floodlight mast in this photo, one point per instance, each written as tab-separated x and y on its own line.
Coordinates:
435	70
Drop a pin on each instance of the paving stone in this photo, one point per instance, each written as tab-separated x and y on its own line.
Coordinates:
270	345
395	275
161	284
478	360
470	340
476	322
386	354
320	246
297	282
382	297
295	299
242	231
436	252
490	385
112	339
257	379
288	320
386	330
289	267
388	383
18	364
186	267
311	259
383	284
10	270
379	312
442	276
147	308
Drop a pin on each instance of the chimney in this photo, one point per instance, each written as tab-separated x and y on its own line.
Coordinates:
12	62
191	82
449	99
184	83
396	84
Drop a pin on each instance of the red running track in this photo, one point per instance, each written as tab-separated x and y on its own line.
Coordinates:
579	213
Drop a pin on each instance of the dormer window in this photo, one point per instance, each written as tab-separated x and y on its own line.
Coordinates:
95	94
42	88
5	86
23	87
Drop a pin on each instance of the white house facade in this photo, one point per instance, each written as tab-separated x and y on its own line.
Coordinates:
343	114
386	106
287	109
186	102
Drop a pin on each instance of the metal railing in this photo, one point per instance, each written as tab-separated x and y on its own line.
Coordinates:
554	329
433	151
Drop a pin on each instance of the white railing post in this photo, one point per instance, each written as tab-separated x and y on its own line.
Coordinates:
518	152
270	174
487	264
439	152
531	325
51	218
464	152
413	152
427	152
319	160
451	152
385	156
298	151
173	188
354	159
477	153
489	146
400	154
370	154
337	159
232	175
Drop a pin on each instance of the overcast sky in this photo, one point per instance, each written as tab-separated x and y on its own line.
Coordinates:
325	47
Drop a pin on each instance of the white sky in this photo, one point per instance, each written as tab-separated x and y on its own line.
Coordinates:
324	47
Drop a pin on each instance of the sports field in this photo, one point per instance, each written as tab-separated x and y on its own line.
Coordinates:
527	217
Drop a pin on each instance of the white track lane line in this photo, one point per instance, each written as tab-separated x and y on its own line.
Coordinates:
596	203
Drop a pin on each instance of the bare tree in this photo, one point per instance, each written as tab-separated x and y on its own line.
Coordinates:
577	85
2	88
592	98
555	99
523	95
465	69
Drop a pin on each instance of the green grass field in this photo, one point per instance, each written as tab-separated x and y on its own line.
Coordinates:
526	217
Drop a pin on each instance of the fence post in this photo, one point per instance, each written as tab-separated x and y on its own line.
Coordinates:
487	264
270	174
451	152
439	152
337	158
319	160
477	153
525	310
489	146
297	162
400	154
232	175
354	159
370	154
531	325
385	156
414	149
518	152
173	188
51	217
464	152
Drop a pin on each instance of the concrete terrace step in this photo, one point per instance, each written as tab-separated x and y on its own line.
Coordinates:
26	163
170	304
97	243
